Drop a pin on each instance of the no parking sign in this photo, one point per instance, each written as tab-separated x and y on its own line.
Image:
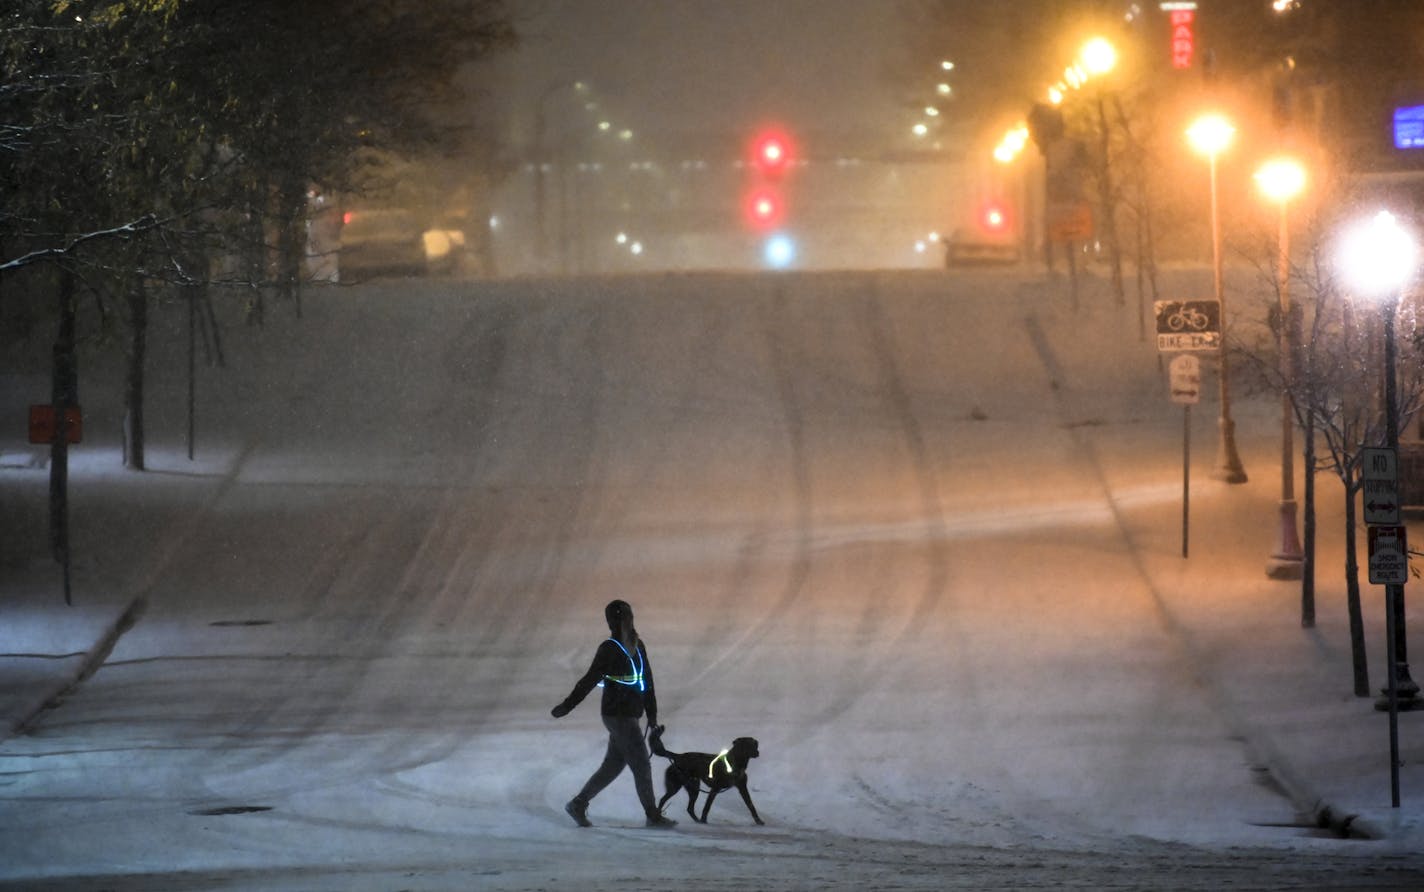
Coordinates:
1184	375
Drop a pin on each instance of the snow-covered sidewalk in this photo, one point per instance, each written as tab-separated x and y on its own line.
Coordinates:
1286	691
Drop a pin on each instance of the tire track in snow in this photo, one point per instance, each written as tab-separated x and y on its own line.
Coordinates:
772	330
864	662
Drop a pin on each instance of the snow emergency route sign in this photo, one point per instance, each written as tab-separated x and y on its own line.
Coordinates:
1188	324
1389	556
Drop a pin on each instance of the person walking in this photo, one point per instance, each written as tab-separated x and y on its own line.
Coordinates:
621	665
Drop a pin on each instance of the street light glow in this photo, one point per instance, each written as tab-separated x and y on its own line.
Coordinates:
1281	179
1210	134
1012	144
1098	56
1378	256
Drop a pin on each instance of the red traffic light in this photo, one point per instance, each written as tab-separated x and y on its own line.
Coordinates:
994	218
771	152
764	208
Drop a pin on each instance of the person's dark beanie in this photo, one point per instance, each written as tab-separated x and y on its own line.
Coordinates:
614	613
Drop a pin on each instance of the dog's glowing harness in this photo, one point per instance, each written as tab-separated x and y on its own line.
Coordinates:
635	662
707	785
712	770
712	766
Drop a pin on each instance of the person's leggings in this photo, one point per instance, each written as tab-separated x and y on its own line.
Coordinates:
625	747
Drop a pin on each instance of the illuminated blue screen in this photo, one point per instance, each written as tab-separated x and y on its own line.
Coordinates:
1409	127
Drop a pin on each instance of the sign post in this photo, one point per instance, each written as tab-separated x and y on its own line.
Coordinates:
1184	374
1389	566
1183	326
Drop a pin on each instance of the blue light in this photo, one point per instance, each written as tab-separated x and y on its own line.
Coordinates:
1409	127
779	252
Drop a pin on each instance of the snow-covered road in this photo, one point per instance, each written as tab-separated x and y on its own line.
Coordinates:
888	524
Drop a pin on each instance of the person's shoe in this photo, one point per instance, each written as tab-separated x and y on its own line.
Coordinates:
661	823
579	812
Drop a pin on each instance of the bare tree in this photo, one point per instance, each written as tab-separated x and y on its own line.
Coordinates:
1336	394
138	136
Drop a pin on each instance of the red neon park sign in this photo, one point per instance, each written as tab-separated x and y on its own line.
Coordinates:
1182	18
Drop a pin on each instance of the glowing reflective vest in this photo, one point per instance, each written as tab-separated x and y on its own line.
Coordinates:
635	663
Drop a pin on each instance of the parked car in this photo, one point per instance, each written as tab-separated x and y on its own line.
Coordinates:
973	247
394	241
990	239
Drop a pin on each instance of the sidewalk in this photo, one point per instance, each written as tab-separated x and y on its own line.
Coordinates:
47	647
1286	691
137	523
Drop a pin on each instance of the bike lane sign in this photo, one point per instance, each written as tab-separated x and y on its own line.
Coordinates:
1188	324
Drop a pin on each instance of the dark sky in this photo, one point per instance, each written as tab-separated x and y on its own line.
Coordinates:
693	65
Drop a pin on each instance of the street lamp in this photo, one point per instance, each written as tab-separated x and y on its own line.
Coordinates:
1380	257
1098	56
1009	149
1280	180
1209	136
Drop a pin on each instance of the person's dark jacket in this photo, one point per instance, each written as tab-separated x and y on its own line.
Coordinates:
626	691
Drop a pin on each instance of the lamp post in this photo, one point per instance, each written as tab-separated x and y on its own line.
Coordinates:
1210	135
1380	258
1098	57
1280	180
541	161
1006	153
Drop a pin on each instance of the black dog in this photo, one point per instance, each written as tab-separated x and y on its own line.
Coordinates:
693	771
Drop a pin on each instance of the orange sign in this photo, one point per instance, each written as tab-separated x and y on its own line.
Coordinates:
44	420
1070	222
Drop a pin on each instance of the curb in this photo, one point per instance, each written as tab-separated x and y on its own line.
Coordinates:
51	697
1346	826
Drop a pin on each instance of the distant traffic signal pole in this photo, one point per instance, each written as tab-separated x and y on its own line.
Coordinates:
771	154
